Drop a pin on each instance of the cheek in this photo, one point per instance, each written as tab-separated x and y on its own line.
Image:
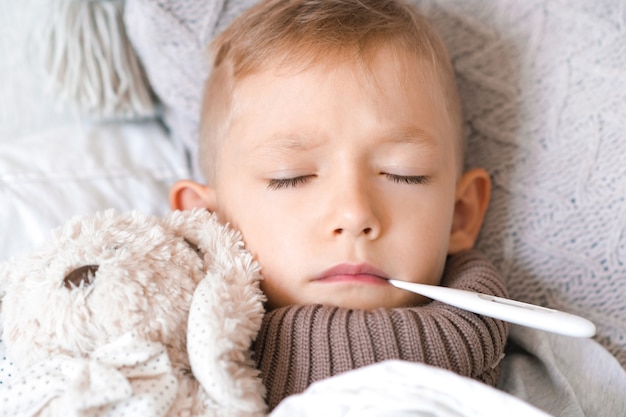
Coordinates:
424	224
269	232
278	247
431	211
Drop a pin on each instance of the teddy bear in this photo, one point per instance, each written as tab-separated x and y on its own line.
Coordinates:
132	314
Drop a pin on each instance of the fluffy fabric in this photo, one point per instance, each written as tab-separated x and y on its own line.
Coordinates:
131	312
543	87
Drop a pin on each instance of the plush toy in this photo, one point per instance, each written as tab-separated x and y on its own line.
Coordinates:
130	314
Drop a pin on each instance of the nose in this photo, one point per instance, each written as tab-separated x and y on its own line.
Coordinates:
355	213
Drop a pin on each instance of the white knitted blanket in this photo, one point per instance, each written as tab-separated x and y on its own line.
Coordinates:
543	84
544	90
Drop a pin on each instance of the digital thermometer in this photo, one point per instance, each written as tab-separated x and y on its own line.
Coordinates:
525	314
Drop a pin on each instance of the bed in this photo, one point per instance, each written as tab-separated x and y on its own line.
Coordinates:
543	85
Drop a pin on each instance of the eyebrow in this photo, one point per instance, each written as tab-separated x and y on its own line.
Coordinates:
411	136
284	143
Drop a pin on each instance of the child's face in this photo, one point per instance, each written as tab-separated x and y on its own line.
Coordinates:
337	181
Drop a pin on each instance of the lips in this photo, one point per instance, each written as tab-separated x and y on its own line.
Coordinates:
362	273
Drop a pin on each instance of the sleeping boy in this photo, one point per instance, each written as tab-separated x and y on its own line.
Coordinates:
331	137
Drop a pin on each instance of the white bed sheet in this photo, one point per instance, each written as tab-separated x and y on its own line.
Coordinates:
76	169
402	389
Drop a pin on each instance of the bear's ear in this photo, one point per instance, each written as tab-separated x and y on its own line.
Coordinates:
190	226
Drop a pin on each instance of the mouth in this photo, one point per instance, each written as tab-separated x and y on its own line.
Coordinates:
347	273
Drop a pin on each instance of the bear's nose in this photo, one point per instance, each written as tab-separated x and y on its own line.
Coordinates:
80	276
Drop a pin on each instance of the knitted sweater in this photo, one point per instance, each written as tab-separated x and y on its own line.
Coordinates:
300	344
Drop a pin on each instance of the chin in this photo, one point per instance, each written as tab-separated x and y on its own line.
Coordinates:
373	303
354	299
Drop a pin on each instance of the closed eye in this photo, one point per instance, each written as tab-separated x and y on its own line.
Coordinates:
408	179
281	183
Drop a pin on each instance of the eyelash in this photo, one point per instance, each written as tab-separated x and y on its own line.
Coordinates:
282	183
411	179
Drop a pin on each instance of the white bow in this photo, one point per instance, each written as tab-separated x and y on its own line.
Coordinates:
129	376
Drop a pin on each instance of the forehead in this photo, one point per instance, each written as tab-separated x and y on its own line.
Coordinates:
382	60
396	84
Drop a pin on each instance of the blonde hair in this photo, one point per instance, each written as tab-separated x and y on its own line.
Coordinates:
300	33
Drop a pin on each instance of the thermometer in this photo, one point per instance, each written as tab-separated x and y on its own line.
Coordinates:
525	314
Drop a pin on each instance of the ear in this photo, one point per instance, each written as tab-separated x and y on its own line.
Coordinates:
473	191
187	195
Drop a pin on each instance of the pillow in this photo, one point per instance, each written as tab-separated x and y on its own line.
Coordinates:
53	163
544	92
25	107
171	38
78	169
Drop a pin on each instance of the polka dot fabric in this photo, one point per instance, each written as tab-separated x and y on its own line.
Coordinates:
130	377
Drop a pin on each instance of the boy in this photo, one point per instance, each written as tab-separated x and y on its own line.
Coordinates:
331	138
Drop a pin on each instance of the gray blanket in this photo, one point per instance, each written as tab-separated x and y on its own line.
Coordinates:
564	376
